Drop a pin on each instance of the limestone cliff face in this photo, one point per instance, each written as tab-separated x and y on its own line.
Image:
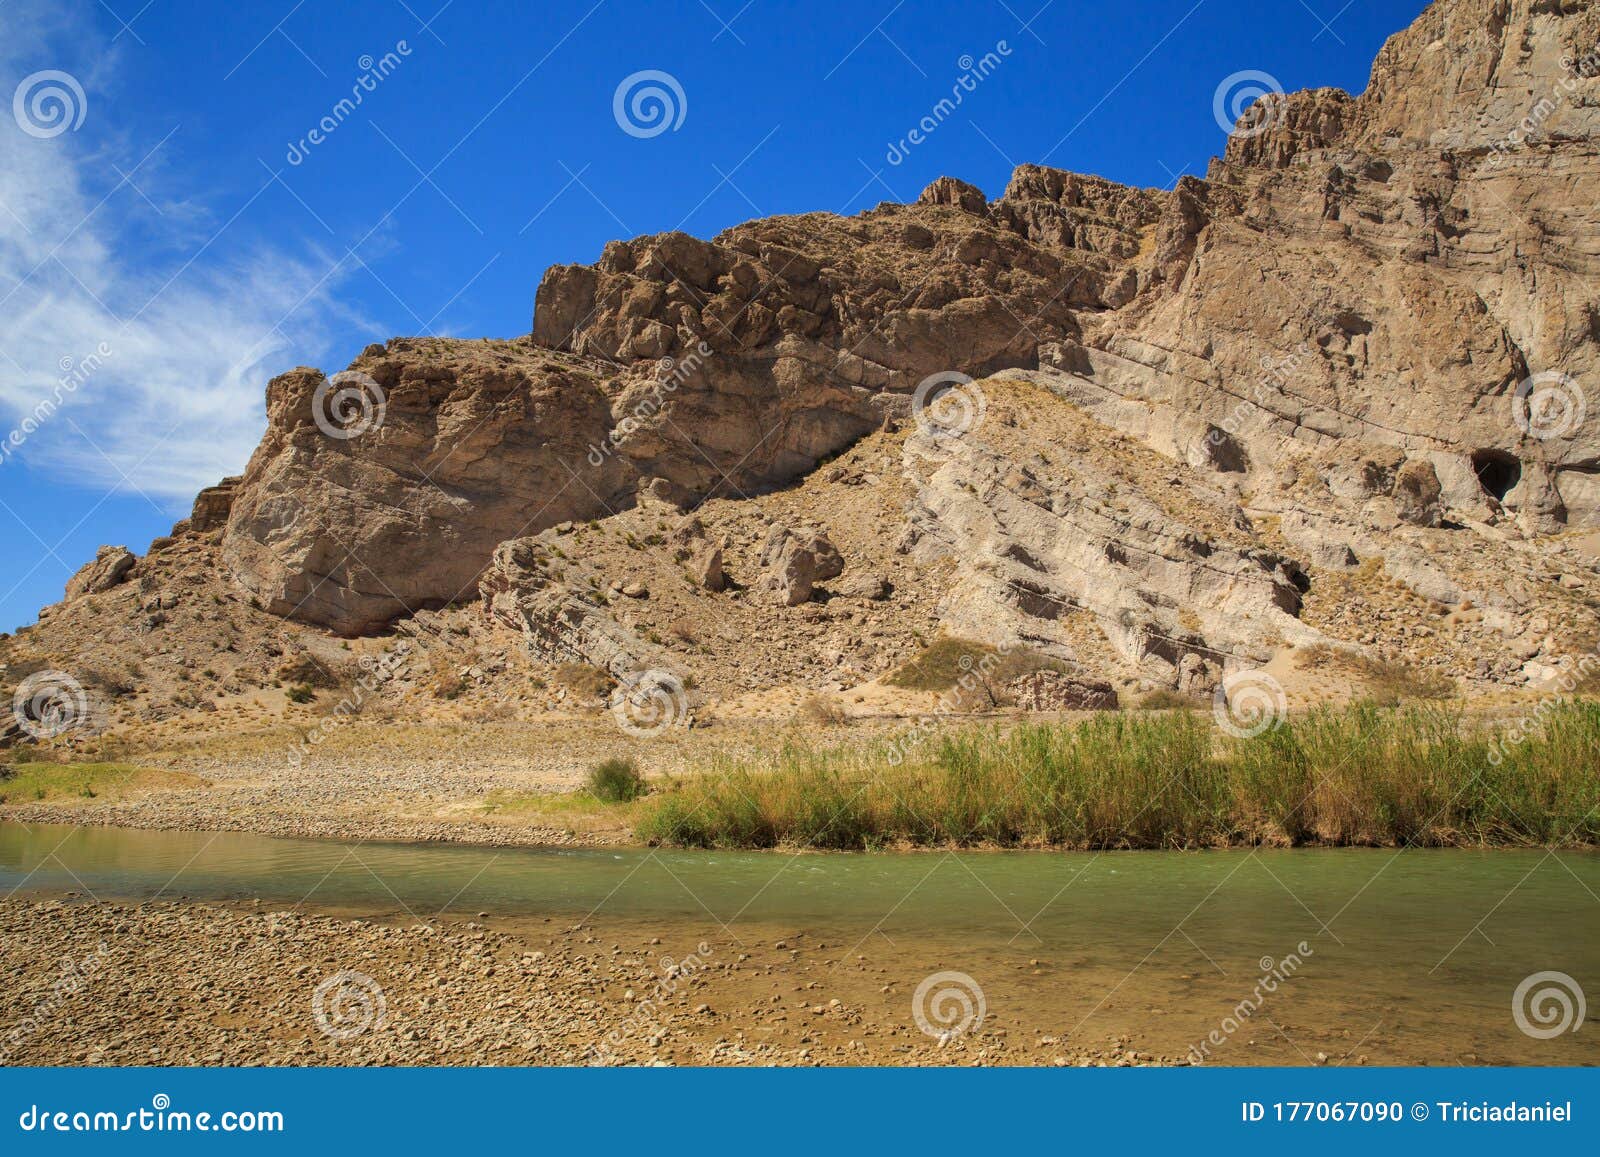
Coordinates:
1330	334
400	505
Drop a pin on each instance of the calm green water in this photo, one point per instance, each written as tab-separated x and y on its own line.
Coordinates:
1066	898
1417	952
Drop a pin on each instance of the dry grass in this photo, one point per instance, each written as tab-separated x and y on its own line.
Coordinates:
47	782
1362	775
585	681
822	711
980	673
1388	683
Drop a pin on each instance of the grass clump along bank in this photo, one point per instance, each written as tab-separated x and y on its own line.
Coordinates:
23	783
616	781
1361	775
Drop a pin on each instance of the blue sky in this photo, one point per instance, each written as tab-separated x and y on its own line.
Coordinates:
179	237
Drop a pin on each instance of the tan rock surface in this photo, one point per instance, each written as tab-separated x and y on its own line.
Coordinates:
1332	392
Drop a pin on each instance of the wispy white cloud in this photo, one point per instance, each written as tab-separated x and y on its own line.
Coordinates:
102	250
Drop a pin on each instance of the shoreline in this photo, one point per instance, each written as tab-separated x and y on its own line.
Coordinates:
444	834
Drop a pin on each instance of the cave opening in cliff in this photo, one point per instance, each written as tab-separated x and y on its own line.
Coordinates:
1498	472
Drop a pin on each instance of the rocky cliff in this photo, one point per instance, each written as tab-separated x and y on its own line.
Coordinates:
1333	392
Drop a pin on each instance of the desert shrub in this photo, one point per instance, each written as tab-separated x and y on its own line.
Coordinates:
981	673
939	665
309	671
616	781
1388	683
822	711
585	679
301	693
1166	699
115	681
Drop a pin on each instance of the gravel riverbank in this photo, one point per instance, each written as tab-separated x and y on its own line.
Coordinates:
182	984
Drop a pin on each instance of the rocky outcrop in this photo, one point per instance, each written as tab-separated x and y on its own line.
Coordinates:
111	566
212	506
705	568
462	445
794	562
1067	545
1416	494
556	608
1361	342
1054	691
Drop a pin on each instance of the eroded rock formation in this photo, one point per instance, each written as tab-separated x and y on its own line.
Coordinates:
1361	341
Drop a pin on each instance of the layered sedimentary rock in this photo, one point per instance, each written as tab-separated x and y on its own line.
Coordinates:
1373	320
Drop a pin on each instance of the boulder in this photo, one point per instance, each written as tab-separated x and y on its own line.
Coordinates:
110	567
1048	690
1416	494
793	562
705	567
